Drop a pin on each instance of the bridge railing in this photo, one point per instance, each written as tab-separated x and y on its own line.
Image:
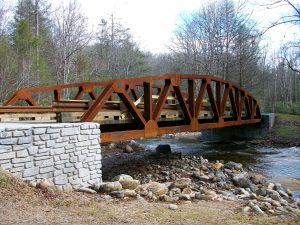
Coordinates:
146	106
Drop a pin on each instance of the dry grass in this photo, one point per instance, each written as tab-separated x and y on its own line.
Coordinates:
21	204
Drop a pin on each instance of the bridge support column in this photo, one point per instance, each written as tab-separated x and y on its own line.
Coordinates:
245	132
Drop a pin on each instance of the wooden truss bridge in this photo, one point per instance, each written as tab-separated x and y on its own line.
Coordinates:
130	108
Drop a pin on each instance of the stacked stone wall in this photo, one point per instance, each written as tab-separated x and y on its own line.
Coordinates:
68	154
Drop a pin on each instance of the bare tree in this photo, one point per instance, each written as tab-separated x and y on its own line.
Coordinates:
70	36
218	39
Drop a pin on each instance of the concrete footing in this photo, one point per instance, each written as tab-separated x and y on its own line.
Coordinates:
245	132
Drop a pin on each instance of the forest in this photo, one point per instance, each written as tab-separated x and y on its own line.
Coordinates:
42	45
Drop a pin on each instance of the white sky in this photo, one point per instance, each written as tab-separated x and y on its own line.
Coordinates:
152	22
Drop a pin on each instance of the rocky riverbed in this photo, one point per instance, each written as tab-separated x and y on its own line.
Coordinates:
130	171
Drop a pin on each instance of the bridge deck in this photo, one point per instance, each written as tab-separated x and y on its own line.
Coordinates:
139	107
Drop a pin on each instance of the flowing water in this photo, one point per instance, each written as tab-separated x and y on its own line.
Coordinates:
278	164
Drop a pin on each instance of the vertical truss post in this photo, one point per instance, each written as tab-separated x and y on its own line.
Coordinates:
148	114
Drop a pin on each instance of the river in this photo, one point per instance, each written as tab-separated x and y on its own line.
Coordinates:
278	164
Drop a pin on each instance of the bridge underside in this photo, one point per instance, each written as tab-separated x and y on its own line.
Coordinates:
133	108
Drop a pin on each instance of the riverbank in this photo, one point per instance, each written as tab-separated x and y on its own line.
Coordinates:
21	203
286	130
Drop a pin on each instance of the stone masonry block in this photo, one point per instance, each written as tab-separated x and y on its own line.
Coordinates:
45	137
54	136
84	126
50	144
62	139
22	160
24	140
23	153
69	131
82	143
95	142
5	134
33	150
36	138
83	172
96	131
5	149
41	130
6	166
17	133
61	179
86	132
7	155
51	130
47	163
9	141
83	137
30	172
47	169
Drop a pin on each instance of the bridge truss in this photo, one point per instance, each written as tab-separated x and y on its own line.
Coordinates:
130	108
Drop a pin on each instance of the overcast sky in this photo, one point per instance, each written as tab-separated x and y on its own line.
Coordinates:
152	22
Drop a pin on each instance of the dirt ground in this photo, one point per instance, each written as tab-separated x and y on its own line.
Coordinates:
21	204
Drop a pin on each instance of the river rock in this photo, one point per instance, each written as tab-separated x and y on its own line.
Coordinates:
156	188
258	179
283	194
128	149
246	210
45	184
126	181
86	190
217	165
184	197
187	191
261	192
204	197
108	187
172	207
220	175
175	191
241	180
163	149
117	194
271	186
182	183
274	195
233	166
129	193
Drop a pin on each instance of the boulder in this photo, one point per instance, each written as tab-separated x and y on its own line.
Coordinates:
241	180
163	149
182	183
233	166
246	210
128	149
117	194
109	187
217	165
258	179
86	190
45	184
184	197
200	196
156	188
129	193
271	186
172	207
261	192
126	181
274	195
